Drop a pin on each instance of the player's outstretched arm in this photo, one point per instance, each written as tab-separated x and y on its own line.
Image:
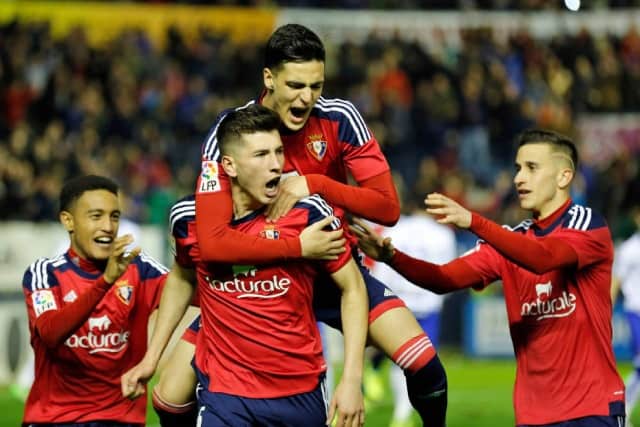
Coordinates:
440	279
55	326
176	296
347	404
538	256
220	243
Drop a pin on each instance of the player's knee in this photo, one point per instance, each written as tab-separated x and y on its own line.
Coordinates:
427	389
172	414
431	378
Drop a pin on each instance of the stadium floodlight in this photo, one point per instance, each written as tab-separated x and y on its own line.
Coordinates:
572	5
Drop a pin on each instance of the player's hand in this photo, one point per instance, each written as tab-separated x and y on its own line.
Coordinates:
319	244
134	380
347	405
120	258
447	211
372	244
291	190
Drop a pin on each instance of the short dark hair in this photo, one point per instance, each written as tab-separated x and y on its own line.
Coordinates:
247	120
76	187
558	141
293	43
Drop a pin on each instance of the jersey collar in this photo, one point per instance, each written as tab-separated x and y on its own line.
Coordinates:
545	226
90	268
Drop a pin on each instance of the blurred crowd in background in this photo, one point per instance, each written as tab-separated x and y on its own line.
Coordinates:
445	116
419	4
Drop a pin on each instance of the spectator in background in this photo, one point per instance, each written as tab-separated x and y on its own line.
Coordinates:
626	278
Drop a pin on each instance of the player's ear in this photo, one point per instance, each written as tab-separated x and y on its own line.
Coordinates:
565	176
229	165
67	220
268	78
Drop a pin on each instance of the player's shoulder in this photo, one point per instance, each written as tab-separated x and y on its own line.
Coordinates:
317	209
181	214
148	266
40	274
336	109
582	218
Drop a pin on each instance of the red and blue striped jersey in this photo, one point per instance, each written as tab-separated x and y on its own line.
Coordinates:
79	380
560	321
259	337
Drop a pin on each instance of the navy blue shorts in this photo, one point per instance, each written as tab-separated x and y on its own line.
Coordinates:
224	410
326	298
615	419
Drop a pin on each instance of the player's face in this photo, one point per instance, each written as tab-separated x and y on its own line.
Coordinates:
93	223
292	91
540	180
257	167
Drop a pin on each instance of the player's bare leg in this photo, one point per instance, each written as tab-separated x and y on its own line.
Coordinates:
174	397
397	333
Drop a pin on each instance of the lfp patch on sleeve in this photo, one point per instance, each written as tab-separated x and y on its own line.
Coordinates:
43	301
209	179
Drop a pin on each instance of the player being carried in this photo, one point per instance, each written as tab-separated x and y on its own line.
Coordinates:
259	352
325	140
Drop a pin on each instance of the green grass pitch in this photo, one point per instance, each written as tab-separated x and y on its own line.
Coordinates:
479	396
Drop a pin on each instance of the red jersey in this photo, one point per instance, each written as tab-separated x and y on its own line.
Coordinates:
79	380
335	142
560	322
259	337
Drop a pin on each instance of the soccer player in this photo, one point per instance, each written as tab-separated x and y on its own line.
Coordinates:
626	276
556	274
440	248
259	352
88	312
325	140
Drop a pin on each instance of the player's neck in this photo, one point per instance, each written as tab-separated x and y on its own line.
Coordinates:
90	266
243	202
552	215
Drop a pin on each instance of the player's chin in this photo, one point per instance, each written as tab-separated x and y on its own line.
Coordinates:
100	252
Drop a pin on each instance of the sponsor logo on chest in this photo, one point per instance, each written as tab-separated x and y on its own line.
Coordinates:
99	339
317	146
546	305
247	283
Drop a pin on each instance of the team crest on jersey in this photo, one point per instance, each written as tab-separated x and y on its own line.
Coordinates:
43	301
270	232
124	291
209	180
317	146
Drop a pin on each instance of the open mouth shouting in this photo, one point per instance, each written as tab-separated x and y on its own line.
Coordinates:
272	187
298	115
